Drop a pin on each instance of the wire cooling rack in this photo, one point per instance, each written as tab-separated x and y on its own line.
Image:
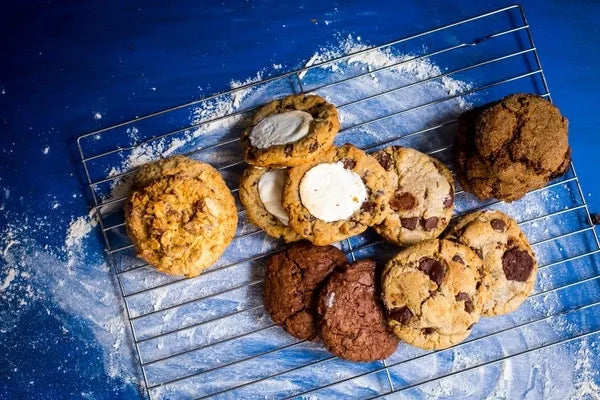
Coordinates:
209	336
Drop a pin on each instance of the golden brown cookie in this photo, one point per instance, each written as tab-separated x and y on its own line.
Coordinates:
510	147
260	193
184	217
292	281
352	319
434	293
509	261
290	131
337	196
422	205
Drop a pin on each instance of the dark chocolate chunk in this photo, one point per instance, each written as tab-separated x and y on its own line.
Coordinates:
401	314
469	306
471	326
313	147
595	219
409	223
498	225
517	265
479	252
429	331
433	268
402	201
288	149
348	163
448	201
385	160
367	206
430	223
458	259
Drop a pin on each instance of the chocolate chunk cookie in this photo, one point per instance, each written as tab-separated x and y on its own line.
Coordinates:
292	280
353	323
180	216
290	131
508	259
257	194
434	292
422	205
337	196
508	148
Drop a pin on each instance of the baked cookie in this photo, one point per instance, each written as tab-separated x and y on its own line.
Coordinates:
353	323
434	293
507	257
290	131
184	217
292	280
260	193
508	148
422	205
336	196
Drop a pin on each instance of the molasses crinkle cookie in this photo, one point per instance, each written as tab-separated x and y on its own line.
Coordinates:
434	292
508	259
260	193
336	196
180	216
422	205
290	131
510	147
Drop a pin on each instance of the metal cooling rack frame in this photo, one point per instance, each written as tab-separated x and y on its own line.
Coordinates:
297	75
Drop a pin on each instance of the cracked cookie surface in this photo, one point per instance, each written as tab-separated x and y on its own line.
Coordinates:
181	217
423	203
508	260
372	211
434	292
292	280
321	133
510	147
255	209
353	323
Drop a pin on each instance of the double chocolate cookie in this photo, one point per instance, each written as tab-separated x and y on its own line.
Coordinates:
508	260
290	131
508	148
423	202
353	323
434	293
292	280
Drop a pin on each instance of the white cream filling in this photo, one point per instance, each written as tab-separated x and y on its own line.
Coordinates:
270	187
332	193
287	127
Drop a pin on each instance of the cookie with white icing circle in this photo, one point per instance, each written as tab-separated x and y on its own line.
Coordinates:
260	193
336	196
290	131
423	203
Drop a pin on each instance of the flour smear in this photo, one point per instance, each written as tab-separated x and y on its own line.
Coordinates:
78	280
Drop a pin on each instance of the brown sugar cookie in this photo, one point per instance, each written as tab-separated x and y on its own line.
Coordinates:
292	280
290	131
510	147
353	323
337	196
434	292
184	217
422	205
508	260
260	193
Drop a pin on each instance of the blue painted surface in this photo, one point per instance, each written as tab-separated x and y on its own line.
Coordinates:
65	61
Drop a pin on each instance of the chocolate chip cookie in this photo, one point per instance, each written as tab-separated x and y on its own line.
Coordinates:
353	323
290	131
508	148
422	205
181	216
292	280
508	259
337	196
260	193
434	292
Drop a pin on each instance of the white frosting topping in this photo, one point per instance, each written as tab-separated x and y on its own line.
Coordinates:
270	187
287	127
332	193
